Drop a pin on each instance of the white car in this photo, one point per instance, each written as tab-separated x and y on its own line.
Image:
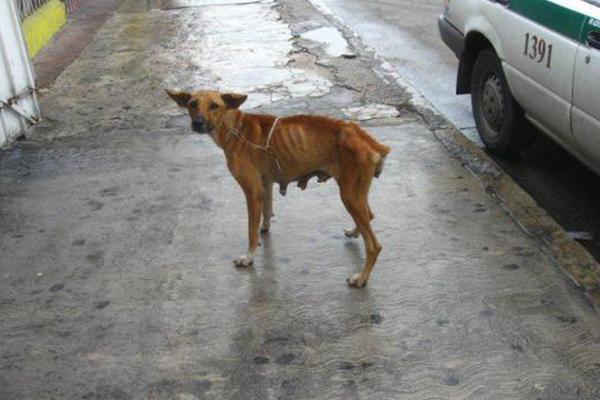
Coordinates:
529	61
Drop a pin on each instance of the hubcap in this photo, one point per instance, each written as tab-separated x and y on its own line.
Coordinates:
492	103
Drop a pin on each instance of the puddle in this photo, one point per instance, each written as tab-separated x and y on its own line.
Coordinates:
335	44
174	4
371	111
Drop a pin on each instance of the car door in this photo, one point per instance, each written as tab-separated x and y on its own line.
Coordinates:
586	95
540	40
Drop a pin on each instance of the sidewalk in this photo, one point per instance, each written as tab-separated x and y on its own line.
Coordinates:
72	40
119	228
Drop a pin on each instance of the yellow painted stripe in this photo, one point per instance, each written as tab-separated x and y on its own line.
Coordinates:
44	23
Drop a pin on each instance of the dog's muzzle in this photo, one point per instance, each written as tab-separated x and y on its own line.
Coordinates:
202	126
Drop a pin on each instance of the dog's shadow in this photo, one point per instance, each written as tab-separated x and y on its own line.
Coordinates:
265	278
352	246
269	262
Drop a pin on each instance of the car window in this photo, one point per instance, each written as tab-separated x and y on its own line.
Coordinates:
593	2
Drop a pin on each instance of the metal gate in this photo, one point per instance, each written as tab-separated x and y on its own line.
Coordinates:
72	6
27	7
18	103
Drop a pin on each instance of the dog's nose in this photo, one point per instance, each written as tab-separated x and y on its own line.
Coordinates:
198	125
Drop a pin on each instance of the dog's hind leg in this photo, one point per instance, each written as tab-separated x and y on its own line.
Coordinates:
355	232
354	189
267	207
352	233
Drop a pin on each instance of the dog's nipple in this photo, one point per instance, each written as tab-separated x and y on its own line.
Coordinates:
282	189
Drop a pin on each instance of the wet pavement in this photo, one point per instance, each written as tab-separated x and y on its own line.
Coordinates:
559	183
120	228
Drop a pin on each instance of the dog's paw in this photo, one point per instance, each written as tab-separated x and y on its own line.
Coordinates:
352	233
243	262
355	281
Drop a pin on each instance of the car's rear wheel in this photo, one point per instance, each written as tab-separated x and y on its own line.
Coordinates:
500	120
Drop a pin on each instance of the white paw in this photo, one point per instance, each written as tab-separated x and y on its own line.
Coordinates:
243	261
352	233
355	281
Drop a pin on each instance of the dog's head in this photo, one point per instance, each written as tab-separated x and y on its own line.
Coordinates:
206	107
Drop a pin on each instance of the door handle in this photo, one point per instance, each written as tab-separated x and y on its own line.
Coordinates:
593	40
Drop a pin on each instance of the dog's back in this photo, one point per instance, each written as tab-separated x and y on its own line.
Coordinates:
319	142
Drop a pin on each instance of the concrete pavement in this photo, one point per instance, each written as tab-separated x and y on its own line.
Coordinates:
404	34
118	228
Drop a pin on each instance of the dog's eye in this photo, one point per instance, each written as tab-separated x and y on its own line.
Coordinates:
213	106
194	104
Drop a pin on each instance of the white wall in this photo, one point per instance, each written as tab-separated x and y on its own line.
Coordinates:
16	77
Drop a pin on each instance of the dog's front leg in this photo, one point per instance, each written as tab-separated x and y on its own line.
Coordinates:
267	207
254	201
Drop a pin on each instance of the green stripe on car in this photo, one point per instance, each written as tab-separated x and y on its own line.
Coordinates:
553	16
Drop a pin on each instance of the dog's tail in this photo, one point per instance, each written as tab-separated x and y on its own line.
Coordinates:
378	158
380	152
374	152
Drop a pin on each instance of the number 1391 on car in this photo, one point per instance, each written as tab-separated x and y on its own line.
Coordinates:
537	49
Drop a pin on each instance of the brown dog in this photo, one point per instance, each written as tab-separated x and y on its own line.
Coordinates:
262	150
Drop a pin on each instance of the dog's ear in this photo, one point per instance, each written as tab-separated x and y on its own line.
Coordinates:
181	98
233	100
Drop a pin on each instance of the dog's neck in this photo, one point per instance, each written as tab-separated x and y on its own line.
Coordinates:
230	120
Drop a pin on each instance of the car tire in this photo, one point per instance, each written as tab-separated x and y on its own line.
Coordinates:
499	119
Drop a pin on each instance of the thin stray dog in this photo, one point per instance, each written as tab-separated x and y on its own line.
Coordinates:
263	149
